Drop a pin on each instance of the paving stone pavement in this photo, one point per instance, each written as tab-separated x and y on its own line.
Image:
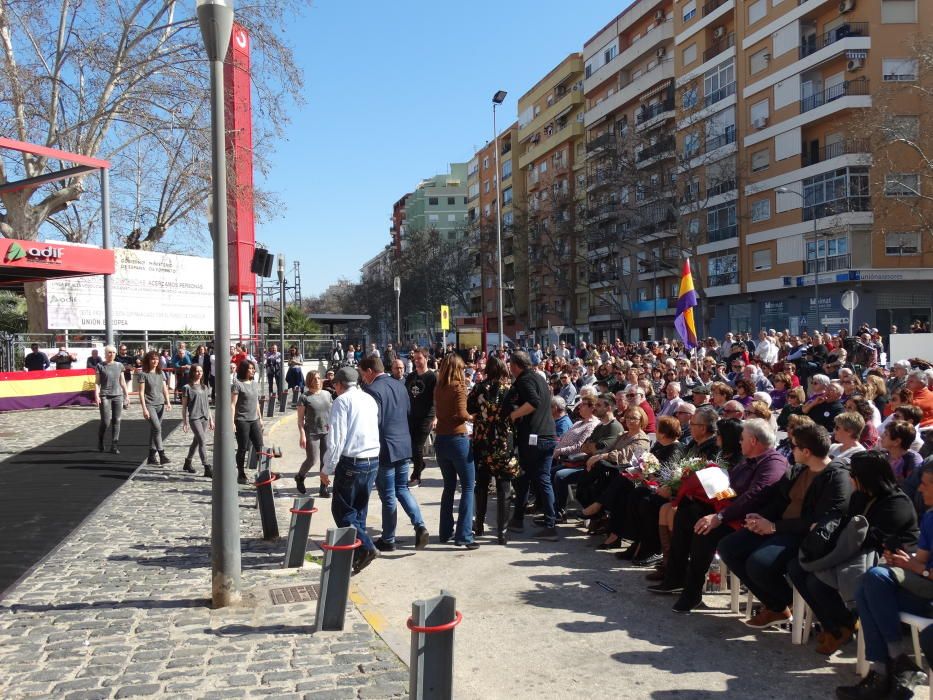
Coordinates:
121	609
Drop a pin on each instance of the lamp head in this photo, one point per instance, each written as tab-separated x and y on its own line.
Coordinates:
215	17
499	97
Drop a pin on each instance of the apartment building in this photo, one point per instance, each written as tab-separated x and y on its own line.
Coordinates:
629	217
773	99
398	224
439	203
551	160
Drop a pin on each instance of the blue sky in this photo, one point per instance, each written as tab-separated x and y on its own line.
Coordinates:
395	91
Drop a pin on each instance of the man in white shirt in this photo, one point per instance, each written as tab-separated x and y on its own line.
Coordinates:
352	458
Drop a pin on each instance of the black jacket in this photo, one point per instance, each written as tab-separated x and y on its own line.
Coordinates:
707	450
530	387
890	515
828	494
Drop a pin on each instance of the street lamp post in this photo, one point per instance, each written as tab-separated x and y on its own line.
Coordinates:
497	100
397	286
816	270
281	330
215	18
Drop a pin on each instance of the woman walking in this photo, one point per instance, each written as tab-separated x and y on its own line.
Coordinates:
196	414
313	418
453	452
154	398
492	446
111	396
247	423
293	378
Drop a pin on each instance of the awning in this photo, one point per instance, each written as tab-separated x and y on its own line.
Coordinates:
656	89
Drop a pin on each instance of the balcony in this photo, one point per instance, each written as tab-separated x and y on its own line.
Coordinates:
629	91
829	263
600	142
562	104
599	179
507	148
717	48
712	5
721	187
661	33
603	277
723	279
723	139
665	145
836	206
655	227
834	92
560	134
834	150
651	111
722	234
814	43
602	212
718	95
601	239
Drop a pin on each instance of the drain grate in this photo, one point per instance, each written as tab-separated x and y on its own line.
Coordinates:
294	594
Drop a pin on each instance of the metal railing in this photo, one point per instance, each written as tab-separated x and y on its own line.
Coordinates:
723	139
834	92
815	42
607	139
721	234
836	206
834	150
712	5
720	94
829	263
717	48
723	279
663	146
651	111
721	187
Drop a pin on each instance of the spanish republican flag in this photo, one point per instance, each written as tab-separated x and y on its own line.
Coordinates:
686	300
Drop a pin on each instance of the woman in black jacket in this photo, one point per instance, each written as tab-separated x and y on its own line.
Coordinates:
761	551
890	515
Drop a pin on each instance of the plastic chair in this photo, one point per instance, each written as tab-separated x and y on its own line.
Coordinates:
735	594
801	620
917	624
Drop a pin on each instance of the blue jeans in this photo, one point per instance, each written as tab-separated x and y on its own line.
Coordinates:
454	454
562	480
536	469
880	599
353	482
761	561
392	482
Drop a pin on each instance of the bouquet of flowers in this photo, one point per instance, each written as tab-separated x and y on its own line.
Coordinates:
673	473
643	467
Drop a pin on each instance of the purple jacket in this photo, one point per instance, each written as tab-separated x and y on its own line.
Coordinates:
750	479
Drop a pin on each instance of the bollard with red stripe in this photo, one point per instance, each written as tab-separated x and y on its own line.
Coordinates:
302	509
432	623
340	546
265	501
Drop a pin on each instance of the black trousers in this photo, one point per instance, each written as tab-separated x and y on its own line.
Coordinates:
419	429
481	498
825	600
247	431
691	554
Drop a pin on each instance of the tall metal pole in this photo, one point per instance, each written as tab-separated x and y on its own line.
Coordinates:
495	132
816	271
215	18
654	266
281	321
397	285
105	236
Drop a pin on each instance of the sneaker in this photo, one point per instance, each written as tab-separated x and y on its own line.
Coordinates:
300	484
686	606
363	560
547	534
650	560
384	546
667	588
768	618
874	686
421	537
414	483
830	643
471	545
907	674
560	519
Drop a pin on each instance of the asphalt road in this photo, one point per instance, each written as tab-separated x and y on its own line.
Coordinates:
48	490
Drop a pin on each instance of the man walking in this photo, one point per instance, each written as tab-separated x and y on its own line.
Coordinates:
274	371
420	386
394	453
353	460
530	398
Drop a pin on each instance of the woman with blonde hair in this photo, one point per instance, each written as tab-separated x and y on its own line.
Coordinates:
454	453
313	416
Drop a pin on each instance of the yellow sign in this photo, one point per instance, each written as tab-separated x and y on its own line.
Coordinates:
445	318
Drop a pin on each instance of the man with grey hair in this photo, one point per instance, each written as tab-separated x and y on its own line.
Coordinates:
824	405
918	382
562	421
698	528
733	409
898	379
671	399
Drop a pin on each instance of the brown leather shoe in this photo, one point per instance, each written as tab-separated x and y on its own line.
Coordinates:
830	644
768	618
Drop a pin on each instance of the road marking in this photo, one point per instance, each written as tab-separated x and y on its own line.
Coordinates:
375	618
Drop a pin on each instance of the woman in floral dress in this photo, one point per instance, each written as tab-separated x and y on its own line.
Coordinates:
492	446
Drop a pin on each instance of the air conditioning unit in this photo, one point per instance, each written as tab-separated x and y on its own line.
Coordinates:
767	57
854	64
719	32
659	15
661	53
846	6
575	88
760	122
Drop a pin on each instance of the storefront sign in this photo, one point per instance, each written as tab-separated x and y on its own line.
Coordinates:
64	258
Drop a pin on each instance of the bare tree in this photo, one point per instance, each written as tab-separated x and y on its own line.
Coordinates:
107	79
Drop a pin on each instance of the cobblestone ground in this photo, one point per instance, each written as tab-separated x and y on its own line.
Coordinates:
121	609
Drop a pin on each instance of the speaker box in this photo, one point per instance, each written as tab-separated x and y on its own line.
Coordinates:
262	263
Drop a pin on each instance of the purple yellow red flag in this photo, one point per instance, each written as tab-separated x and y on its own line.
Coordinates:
686	300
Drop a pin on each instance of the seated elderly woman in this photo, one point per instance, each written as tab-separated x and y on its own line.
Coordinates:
828	580
792	407
760	551
896	440
849	427
744	391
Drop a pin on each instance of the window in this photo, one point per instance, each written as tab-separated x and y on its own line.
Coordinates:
719	82
898	11
691	144
761	210
451	235
723	269
542	168
756	11
464	201
642	294
759	61
690	11
836	191
485	163
432	201
899	70
486	211
451	218
432	218
720	222
759	113
693	228
690	54
761	259
610	53
901	185
451	201
486	187
507	169
689	98
904	243
507	218
827	248
507	195
761	160
474	191
901	128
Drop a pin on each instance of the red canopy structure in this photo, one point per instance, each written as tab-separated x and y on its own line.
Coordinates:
30	261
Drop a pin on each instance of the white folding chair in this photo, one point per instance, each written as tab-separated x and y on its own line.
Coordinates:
917	625
801	620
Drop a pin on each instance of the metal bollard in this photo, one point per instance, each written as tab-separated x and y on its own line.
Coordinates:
283	401
335	578
266	502
270	407
252	457
432	624
298	530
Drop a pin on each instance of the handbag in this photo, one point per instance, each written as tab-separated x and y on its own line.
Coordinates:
822	539
913	583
